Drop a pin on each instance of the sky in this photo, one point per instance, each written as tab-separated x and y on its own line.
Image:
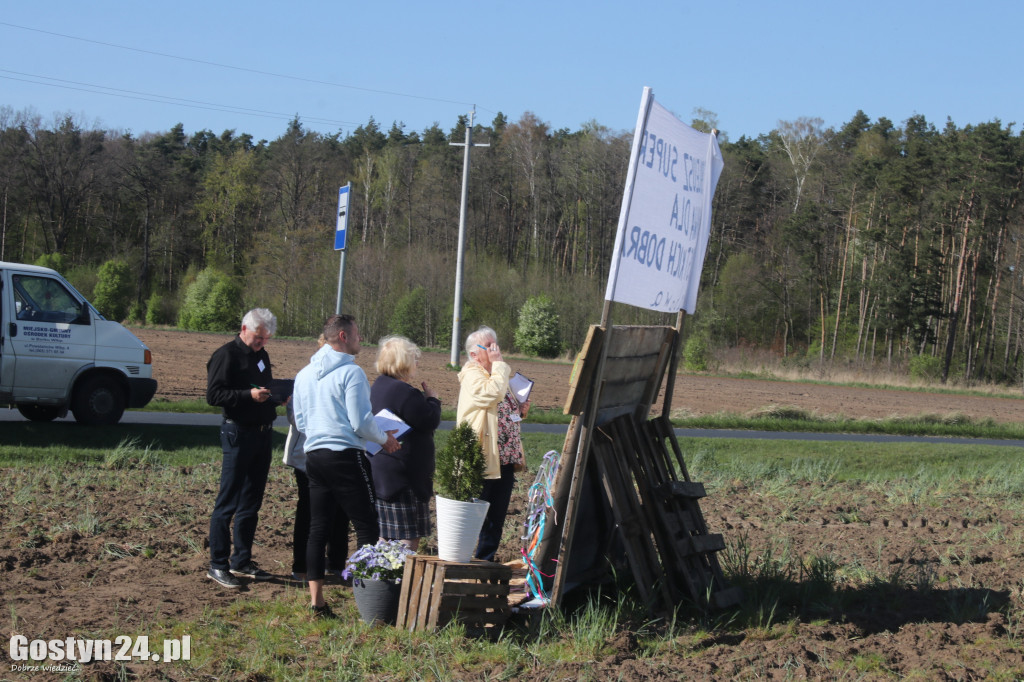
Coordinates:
137	67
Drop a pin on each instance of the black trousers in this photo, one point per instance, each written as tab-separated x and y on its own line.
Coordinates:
497	491
338	480
337	535
243	478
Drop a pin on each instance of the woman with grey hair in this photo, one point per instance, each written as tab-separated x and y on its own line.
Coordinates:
486	403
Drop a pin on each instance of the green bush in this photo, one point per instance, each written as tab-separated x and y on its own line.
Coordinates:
697	352
54	261
136	313
114	292
160	309
925	367
409	318
213	303
460	465
538	330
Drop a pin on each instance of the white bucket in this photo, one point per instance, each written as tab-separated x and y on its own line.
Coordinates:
458	528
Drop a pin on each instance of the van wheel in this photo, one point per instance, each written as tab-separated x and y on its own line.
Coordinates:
39	413
98	401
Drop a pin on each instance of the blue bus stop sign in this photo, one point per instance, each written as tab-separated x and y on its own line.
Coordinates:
342	228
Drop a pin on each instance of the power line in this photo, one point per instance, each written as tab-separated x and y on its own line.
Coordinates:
237	68
161	99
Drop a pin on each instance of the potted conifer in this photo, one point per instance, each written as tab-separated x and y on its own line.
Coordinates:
459	477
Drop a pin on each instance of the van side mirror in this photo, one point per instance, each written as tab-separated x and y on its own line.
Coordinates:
83	314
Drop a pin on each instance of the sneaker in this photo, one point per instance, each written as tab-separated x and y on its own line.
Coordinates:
251	570
322	612
224	578
299	578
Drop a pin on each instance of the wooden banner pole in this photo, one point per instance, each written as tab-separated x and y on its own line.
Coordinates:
673	366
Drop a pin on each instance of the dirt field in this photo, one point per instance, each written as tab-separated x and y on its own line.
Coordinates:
123	551
180	369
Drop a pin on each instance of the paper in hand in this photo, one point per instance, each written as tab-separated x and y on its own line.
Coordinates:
387	421
521	387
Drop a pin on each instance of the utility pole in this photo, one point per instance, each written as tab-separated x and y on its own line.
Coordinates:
457	314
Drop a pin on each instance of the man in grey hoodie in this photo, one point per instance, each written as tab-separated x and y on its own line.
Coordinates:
331	401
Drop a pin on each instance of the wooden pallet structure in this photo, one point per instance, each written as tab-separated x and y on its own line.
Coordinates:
654	504
669	548
437	592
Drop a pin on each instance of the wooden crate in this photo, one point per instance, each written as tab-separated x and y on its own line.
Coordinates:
436	592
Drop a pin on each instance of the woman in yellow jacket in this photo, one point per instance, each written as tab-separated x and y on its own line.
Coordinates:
483	386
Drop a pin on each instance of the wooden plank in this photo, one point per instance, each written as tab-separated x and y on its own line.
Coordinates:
475	589
630	340
429	618
673	366
668	346
478	605
688	489
664	432
704	544
627	514
411	594
583	371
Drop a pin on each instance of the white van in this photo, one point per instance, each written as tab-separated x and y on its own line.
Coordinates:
58	353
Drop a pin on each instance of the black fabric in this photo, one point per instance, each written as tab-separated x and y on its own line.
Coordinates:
497	491
243	478
411	467
231	373
337	534
338	479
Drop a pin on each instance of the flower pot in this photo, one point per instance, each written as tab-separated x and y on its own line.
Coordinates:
458	527
377	600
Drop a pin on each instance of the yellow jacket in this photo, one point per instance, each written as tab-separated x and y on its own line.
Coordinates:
479	396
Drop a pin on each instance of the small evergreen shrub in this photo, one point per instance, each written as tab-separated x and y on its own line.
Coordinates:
538	330
459	469
114	292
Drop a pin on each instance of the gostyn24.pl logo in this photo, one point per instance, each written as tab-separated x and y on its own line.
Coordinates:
122	648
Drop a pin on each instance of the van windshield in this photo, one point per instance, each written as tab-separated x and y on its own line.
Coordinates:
42	299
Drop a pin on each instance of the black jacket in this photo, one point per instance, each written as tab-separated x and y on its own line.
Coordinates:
231	373
412	465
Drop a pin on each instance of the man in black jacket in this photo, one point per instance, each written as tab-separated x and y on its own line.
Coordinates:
238	377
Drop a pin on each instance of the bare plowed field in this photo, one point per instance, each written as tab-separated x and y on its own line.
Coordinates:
180	369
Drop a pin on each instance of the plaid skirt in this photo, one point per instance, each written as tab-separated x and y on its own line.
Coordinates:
403	518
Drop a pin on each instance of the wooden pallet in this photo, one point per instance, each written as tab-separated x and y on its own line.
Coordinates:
670	551
435	593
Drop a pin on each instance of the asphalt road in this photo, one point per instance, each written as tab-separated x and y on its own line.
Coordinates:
197	419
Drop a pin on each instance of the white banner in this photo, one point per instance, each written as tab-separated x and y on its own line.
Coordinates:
665	218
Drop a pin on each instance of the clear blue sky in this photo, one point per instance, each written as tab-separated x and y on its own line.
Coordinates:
752	63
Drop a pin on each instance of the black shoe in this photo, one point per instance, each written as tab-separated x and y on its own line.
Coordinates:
223	577
322	611
251	570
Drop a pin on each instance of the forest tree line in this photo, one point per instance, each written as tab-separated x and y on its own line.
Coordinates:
871	244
